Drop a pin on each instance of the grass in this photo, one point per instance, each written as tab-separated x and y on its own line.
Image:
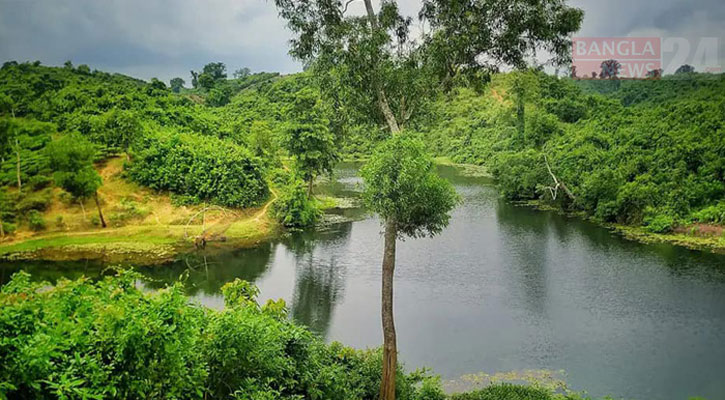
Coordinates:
715	244
144	227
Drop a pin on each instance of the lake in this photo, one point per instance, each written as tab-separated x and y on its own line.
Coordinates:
503	288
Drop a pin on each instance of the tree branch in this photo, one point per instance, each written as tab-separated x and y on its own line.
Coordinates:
555	189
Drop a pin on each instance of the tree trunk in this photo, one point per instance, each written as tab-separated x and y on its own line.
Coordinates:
17	153
2	229
382	99
98	205
520	116
390	351
309	187
83	208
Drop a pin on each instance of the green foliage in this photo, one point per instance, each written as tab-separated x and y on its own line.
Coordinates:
401	185
38	201
211	75
36	221
308	138
650	144
659	223
203	168
218	97
24	137
520	174
71	157
496	29
711	214
293	208
111	339
9	227
511	392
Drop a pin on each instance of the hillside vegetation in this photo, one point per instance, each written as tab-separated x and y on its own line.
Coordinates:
160	157
645	153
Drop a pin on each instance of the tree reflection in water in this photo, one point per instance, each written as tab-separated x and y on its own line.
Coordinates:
319	276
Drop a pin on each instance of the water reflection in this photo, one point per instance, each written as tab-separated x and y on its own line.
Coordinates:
204	273
319	276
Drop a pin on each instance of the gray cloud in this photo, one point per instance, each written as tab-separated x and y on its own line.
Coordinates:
167	38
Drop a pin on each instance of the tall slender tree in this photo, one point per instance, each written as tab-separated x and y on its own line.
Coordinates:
371	69
402	187
308	138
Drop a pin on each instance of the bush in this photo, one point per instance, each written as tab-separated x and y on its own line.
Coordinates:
519	174
112	339
203	168
713	214
659	224
292	208
9	228
37	182
38	201
128	210
509	392
36	221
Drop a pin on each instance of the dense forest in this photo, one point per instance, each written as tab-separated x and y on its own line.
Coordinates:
648	152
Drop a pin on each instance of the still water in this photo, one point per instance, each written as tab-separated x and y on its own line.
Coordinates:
503	288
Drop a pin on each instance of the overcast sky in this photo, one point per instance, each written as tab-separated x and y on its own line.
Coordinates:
167	38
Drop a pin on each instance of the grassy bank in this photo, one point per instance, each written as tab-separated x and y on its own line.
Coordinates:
696	236
145	227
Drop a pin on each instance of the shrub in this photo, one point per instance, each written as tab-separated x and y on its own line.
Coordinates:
203	168
38	201
292	208
567	110
509	392
128	209
519	174
37	182
659	224
112	339
36	221
713	214
9	228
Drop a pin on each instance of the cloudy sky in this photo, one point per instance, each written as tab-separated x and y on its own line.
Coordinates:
167	38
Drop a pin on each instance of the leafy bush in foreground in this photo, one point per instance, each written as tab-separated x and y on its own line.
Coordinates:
111	339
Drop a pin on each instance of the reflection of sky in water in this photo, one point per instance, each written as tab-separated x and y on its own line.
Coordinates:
503	288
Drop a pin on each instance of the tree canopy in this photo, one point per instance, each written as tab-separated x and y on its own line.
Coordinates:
401	184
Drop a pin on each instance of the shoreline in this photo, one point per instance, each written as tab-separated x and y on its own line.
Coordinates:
710	244
147	245
134	244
